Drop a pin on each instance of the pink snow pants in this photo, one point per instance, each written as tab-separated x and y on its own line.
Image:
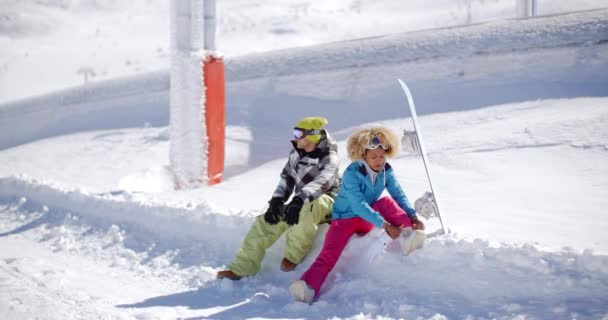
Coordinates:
340	231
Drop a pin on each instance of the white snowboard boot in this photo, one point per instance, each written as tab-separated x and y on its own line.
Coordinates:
300	291
411	240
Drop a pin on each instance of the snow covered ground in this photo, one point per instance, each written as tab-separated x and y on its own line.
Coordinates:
90	226
525	207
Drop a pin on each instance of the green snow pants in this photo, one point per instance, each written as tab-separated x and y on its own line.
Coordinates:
299	238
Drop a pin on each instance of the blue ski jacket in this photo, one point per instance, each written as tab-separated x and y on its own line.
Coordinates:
357	193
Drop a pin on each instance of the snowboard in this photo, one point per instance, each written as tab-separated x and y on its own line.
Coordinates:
419	145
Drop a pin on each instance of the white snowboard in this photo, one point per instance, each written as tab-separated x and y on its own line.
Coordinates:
422	150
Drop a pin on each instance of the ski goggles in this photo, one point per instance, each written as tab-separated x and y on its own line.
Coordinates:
375	142
300	133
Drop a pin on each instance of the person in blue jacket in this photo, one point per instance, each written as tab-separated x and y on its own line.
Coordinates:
359	207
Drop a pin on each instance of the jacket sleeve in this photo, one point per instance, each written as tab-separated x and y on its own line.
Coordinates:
351	187
394	189
286	183
329	166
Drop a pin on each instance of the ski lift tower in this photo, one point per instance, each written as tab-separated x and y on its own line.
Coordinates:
197	96
526	8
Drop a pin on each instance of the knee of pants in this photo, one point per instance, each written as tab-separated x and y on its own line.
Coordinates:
311	215
319	209
386	204
262	234
308	216
364	228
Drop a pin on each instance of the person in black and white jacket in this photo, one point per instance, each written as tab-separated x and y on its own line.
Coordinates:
312	176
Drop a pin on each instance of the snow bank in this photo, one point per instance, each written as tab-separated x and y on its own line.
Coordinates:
453	277
176	222
497	37
120	103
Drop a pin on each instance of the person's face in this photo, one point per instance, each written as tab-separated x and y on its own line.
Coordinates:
305	144
375	158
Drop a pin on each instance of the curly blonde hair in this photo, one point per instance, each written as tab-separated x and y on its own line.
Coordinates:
359	139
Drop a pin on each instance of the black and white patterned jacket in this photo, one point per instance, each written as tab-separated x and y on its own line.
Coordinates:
311	173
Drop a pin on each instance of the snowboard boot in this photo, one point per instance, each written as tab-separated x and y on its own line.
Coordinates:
228	274
287	265
411	240
300	291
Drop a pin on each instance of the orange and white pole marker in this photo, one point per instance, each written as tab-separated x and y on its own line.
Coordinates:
215	117
215	98
197	96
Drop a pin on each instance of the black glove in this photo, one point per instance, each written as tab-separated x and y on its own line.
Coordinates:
292	211
275	209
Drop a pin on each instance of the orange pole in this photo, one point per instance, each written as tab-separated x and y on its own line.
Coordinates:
215	117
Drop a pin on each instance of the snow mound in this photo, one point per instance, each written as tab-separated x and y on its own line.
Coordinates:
452	276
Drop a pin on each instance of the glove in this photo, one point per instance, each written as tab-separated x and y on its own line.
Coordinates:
275	209
392	231
292	211
416	224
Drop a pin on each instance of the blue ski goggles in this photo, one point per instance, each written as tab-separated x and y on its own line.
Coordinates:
300	133
375	142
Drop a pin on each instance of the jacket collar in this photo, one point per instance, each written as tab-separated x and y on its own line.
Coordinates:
363	167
